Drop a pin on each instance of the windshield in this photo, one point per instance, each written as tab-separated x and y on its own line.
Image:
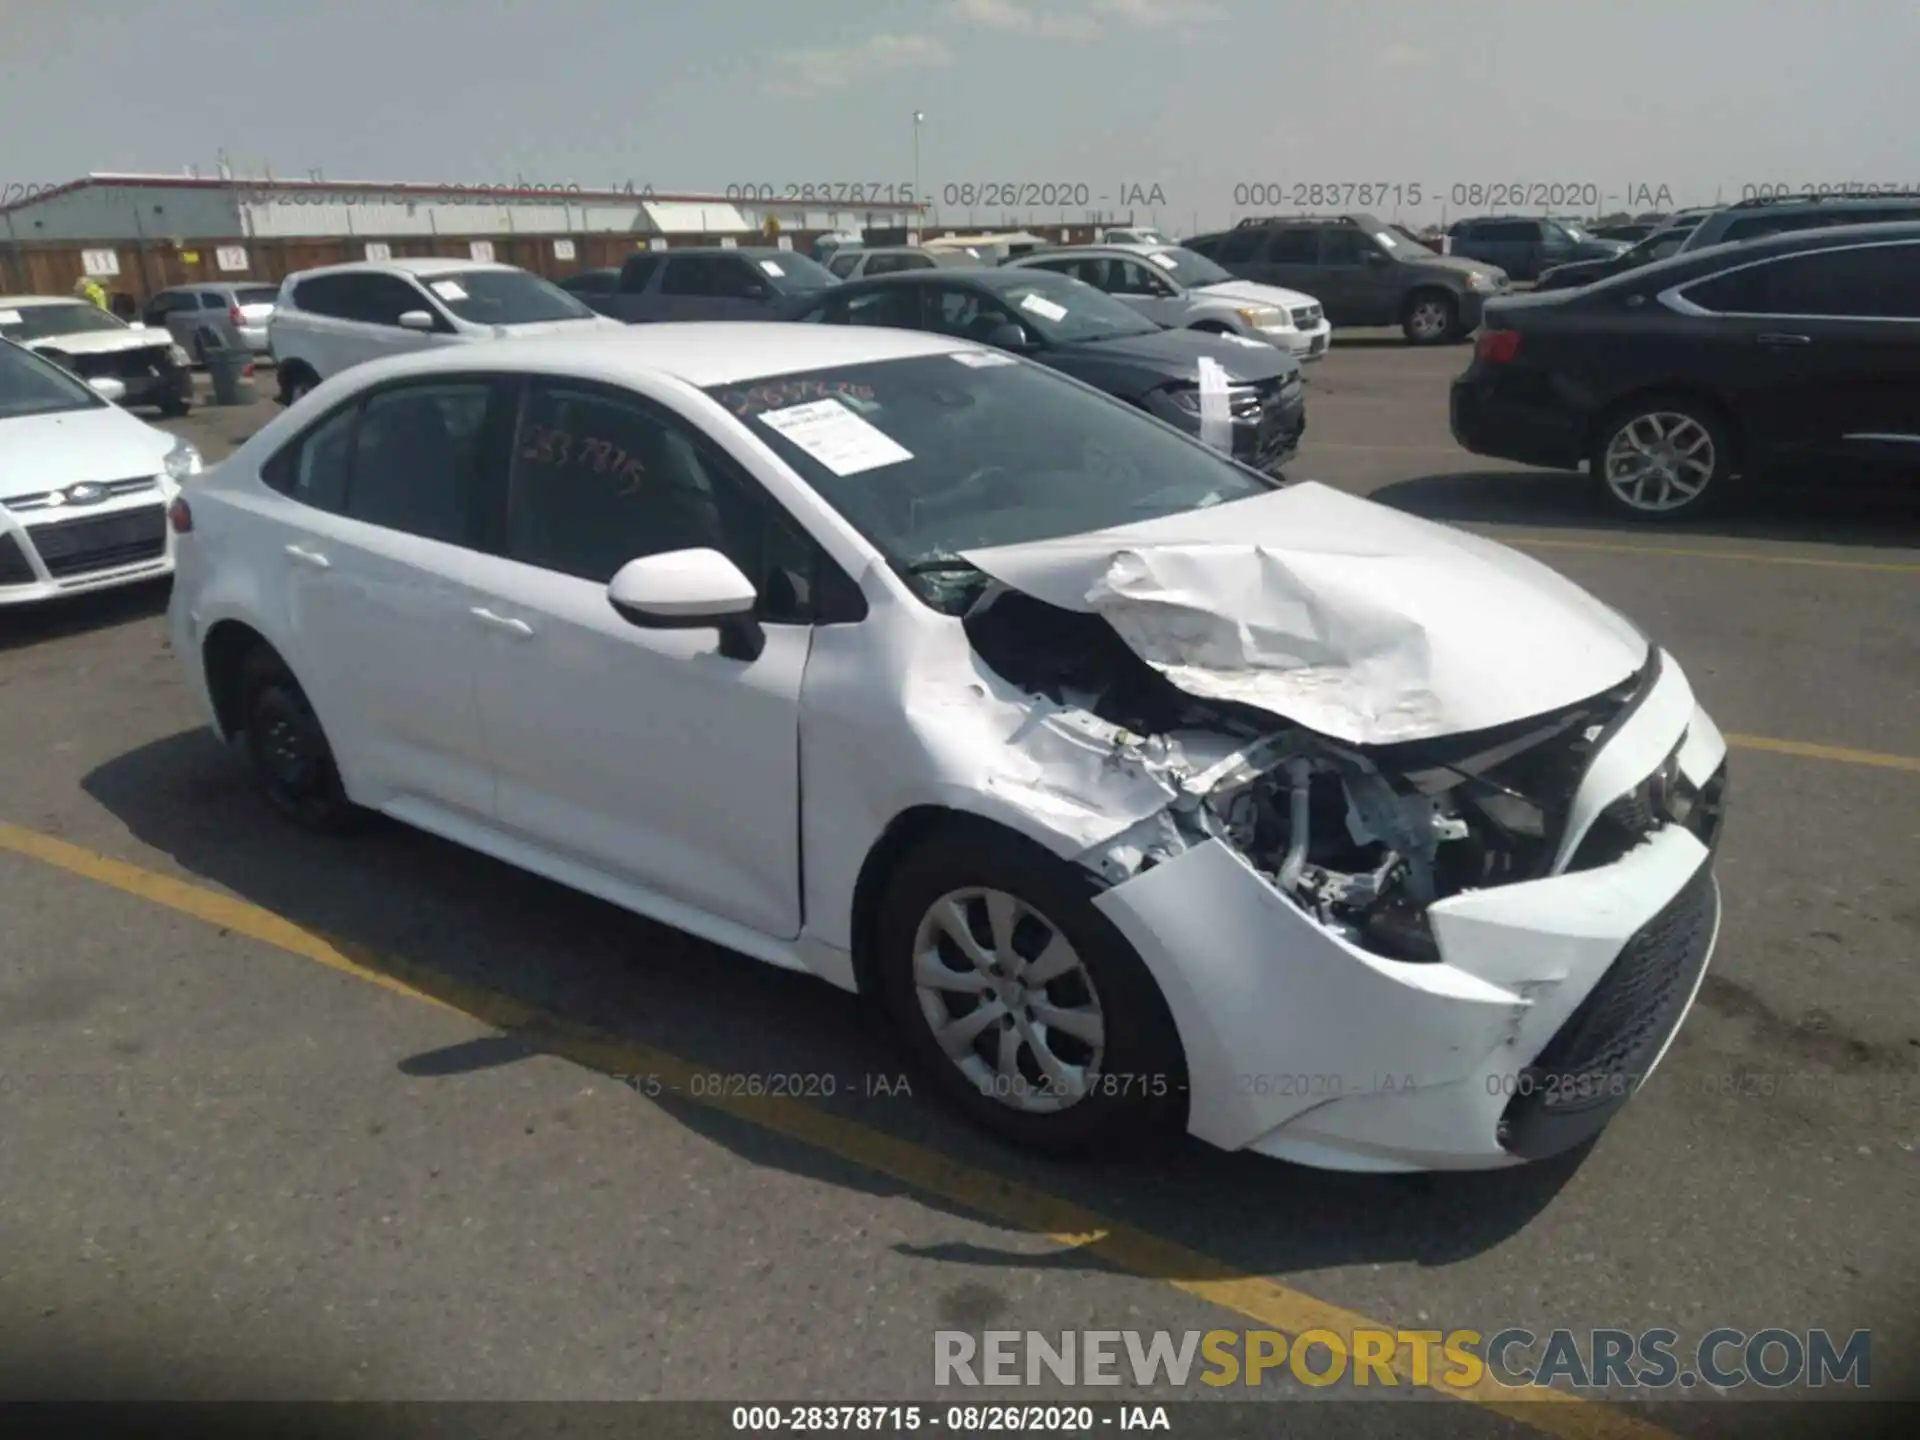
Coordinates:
938	454
503	297
30	385
793	274
256	295
1189	269
37	322
1572	232
1064	311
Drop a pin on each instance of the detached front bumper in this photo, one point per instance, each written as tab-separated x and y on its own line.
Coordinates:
1553	1001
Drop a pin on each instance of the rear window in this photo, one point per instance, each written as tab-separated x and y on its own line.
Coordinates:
255	295
503	297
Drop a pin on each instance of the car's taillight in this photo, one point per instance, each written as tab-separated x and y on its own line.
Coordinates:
179	516
236	317
1498	347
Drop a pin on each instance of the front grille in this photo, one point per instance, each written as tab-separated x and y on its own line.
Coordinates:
103	542
109	490
1305	317
125	364
1595	1061
14	569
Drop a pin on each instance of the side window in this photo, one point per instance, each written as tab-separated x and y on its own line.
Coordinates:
1876	282
1130	277
329	295
1343	247
843	264
1294	247
383	299
896	306
692	275
210	301
419	461
886	264
599	480
915	262
1239	245
1523	232
158	306
965	314
637	271
313	469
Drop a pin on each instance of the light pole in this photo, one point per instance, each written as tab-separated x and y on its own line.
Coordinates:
919	118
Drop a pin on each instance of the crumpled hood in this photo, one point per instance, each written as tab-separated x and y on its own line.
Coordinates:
51	452
102	342
1355	620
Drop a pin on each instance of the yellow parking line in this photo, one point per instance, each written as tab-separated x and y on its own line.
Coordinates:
1837	753
969	1187
1758	557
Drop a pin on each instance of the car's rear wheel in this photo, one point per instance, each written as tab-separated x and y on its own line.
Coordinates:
1432	317
174	409
295	381
1023	1004
1663	458
291	757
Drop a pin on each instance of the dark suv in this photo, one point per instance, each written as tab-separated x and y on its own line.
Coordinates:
1361	271
1751	219
1524	245
1674	382
707	283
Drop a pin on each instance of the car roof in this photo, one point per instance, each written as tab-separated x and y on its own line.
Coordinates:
701	353
16	302
1101	247
412	265
679	252
1787	242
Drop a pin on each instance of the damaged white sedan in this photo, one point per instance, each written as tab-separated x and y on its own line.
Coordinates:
1142	792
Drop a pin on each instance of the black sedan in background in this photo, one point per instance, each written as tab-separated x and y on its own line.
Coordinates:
1795	353
1067	325
1665	239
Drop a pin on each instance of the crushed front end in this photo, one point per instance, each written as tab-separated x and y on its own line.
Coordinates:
1458	952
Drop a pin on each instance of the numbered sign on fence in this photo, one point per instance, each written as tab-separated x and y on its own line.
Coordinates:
230	257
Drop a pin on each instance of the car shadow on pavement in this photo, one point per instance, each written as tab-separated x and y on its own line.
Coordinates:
1856	513
548	970
24	626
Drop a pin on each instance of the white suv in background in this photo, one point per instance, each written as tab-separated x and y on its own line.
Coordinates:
330	319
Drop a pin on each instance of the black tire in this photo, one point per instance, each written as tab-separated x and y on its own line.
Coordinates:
174	409
292	761
1663	411
1431	317
1140	1096
295	381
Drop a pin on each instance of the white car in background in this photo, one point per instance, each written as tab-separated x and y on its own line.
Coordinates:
1136	235
84	486
1143	792
146	366
1187	291
338	316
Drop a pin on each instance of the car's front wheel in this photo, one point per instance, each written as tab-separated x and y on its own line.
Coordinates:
1663	458
1023	1003
291	758
1431	318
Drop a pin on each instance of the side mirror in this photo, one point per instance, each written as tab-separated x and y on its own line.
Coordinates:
690	590
108	388
1009	337
416	320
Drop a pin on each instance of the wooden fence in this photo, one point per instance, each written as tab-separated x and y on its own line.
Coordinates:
51	268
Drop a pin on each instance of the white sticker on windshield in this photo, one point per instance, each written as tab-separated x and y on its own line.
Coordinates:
9	317
1386	239
448	290
1163	260
771	267
983	359
1044	308
839	439
1216	412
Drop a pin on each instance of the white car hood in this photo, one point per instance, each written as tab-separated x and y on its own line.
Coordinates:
562	327
1357	621
101	342
1249	293
51	452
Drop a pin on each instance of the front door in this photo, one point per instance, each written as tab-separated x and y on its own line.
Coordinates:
645	755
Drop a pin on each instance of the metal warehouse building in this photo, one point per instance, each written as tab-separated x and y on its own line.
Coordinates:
141	233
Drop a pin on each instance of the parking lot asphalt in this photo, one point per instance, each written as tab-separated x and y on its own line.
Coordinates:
301	1117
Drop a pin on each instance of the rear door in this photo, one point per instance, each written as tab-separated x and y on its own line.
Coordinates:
1830	351
1354	284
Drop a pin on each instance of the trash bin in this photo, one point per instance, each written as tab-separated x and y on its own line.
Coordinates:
230	366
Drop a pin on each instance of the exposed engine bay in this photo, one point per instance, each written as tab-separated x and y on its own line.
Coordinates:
1363	838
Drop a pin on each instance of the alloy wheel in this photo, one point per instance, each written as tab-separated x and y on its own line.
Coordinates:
1659	461
1008	1000
1428	320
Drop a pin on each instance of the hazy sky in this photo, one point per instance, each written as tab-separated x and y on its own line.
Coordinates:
1197	97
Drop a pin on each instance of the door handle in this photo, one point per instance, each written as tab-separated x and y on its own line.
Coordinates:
309	557
1775	337
502	622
